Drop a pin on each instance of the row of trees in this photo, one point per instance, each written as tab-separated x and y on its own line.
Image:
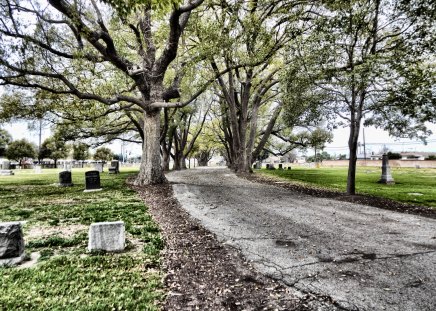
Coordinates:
52	148
150	70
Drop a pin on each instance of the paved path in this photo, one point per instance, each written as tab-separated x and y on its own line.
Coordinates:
362	257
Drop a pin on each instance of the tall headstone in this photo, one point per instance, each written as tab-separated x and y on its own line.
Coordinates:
106	236
280	166
92	181
267	166
11	243
114	167
386	177
65	179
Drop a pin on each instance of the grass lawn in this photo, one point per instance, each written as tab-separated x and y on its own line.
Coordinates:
66	277
414	186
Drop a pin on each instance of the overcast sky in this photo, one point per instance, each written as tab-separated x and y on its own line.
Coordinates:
375	140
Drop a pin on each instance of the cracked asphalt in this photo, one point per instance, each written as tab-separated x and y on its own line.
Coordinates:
362	257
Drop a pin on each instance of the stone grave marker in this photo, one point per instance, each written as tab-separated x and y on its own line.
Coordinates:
6	173
106	236
6	165
98	167
65	179
11	243
267	166
289	167
37	169
114	167
386	177
280	166
92	181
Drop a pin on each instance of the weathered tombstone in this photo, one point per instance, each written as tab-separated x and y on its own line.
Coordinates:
6	172
92	181
6	165
267	166
115	167
106	236
37	169
280	166
11	243
98	167
386	177
65	179
271	167
258	165
289	167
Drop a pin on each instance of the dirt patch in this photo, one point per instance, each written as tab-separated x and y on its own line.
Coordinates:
204	274
341	196
62	231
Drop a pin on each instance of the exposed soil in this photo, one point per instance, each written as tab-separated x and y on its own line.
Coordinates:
341	196
204	274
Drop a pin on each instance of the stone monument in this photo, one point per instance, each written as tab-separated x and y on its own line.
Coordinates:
114	167
386	177
11	243
280	166
92	181
98	167
65	179
106	236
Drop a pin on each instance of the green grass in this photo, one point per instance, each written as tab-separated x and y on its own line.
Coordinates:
408	181
66	277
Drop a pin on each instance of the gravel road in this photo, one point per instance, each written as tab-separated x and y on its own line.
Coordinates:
362	257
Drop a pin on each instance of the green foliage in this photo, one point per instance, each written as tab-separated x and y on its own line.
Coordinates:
431	157
18	150
66	276
125	7
80	151
407	180
5	139
54	148
319	157
103	154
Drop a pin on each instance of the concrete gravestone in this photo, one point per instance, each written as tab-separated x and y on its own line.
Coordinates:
114	168
65	179
280	166
37	169
386	177
11	243
98	167
6	165
92	181
106	236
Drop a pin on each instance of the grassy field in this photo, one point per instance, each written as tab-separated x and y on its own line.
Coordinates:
414	186
66	277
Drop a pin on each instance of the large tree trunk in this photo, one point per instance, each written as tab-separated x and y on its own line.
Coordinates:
151	171
352	163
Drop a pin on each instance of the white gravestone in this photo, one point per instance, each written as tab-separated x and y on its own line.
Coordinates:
106	236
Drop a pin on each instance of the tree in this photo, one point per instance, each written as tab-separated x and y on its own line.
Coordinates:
365	59
247	37
103	154
110	57
54	148
80	151
19	150
5	139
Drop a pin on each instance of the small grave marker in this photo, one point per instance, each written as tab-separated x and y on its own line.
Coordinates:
37	169
115	167
6	172
92	181
6	165
106	236
65	179
98	167
280	166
